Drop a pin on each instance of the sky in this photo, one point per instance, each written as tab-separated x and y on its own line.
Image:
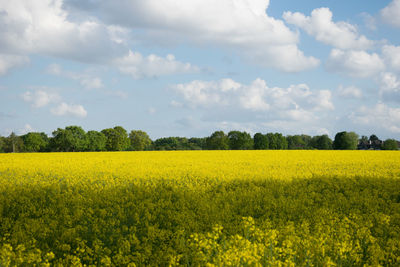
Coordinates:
191	67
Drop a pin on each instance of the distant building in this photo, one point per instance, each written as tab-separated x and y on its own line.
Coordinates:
370	145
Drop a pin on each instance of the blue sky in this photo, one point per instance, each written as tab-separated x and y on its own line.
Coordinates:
188	68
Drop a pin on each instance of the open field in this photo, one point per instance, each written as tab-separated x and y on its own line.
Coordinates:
272	208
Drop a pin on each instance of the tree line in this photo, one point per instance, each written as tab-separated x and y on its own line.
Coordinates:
75	139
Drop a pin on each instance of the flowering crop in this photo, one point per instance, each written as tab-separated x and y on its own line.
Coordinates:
216	208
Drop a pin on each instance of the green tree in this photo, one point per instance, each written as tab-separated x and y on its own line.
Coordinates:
272	141
2	144
296	142
96	141
390	144
307	141
277	141
166	143
322	142
70	139
117	138
352	140
260	141
281	141
139	140
13	143
217	141
240	140
197	143
172	143
35	142
345	141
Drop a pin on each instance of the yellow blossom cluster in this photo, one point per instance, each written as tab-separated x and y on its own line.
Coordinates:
200	208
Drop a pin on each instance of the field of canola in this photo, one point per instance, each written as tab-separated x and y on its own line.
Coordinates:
200	208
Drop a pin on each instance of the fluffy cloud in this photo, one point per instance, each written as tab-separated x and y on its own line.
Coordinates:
8	62
391	13
65	109
45	27
355	63
42	26
287	58
391	55
50	27
203	93
349	92
297	102
240	22
138	66
242	25
85	79
390	86
380	115
40	98
320	25
389	82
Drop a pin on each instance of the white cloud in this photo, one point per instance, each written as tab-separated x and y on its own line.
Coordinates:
349	92
323	100
8	62
390	82
391	13
91	83
242	25
254	98
391	55
40	98
341	34
227	21
65	109
138	66
355	63
287	58
44	27
380	115
27	129
390	86
118	34
203	93
297	102
85	79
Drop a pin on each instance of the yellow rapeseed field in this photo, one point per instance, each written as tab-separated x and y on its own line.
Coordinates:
198	208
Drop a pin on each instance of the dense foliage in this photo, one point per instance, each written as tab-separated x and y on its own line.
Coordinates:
139	140
345	141
75	139
390	144
227	208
